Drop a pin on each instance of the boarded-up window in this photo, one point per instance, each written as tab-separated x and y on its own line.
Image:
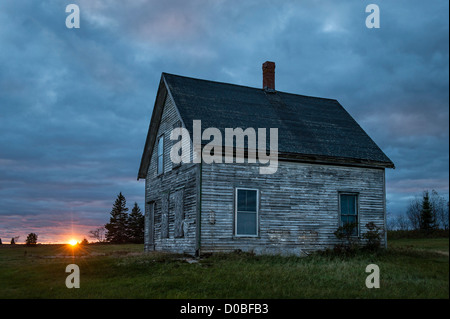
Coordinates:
165	215
179	214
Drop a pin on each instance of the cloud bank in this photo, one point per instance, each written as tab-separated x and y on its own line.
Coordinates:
75	104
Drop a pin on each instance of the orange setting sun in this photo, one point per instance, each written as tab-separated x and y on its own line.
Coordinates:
73	242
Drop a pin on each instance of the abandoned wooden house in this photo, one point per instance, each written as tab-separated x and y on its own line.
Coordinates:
329	172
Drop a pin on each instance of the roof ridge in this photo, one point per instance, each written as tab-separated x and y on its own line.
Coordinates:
248	87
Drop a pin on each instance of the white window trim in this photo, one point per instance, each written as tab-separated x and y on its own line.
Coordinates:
162	155
236	212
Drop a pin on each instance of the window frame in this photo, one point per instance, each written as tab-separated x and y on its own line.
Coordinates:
158	173
236	212
175	125
356	195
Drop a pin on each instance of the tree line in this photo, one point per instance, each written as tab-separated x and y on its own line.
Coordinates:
123	227
426	213
31	239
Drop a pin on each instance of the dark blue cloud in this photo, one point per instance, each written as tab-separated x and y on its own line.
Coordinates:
76	103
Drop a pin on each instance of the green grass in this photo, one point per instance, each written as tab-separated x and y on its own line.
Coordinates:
438	245
410	268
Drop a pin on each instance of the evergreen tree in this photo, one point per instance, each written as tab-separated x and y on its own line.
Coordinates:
136	225
427	220
118	222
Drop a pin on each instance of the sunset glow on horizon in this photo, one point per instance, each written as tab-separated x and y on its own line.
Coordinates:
73	242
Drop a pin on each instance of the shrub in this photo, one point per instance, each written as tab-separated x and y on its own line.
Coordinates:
349	240
373	236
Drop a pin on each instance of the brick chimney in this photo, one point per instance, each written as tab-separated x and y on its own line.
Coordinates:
269	76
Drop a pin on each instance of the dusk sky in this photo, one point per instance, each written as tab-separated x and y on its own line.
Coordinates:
75	104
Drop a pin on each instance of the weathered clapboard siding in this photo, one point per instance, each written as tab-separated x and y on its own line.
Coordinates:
168	119
168	186
322	150
298	205
163	195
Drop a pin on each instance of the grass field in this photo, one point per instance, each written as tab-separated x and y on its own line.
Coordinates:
410	268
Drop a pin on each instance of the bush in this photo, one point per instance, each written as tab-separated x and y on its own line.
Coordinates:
373	236
349	241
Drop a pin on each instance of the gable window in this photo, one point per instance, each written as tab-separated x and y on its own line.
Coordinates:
160	156
176	125
348	206
246	210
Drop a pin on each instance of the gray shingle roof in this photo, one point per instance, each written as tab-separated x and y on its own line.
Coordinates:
306	125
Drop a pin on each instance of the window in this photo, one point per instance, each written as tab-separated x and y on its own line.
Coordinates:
179	214
349	210
160	163
246	219
176	125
